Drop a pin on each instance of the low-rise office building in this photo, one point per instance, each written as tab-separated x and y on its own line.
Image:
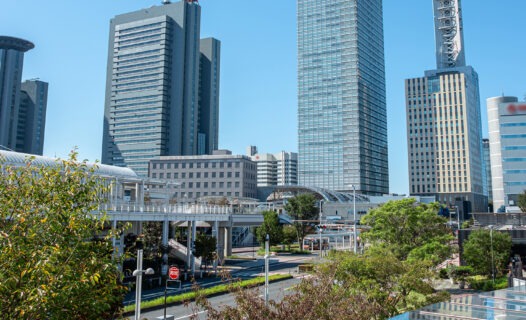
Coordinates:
204	177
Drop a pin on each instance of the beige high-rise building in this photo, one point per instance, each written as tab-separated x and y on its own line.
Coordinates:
444	123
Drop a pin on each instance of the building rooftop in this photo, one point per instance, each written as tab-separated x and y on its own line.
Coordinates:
20	159
15	44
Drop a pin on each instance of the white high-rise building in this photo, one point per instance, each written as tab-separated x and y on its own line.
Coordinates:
277	169
507	142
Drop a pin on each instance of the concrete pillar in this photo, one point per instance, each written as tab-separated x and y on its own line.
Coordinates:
188	244
228	241
194	232
137	194
221	243
166	227
215	234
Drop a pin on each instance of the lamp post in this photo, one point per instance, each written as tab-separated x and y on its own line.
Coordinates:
138	283
267	244
354	218
492	255
320	228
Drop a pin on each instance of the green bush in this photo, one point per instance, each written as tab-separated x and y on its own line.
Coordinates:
443	274
484	284
461	272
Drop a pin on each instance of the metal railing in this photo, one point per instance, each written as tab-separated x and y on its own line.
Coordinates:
166	208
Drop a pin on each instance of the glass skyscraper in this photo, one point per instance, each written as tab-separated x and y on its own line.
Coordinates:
342	117
162	87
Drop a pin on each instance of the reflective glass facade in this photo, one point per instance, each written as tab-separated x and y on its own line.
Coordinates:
342	119
154	94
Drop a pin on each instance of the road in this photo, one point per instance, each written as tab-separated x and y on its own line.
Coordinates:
276	292
242	270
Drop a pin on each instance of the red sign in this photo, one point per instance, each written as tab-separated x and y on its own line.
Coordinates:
516	108
173	273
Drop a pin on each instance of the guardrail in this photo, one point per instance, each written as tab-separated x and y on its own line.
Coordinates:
180	209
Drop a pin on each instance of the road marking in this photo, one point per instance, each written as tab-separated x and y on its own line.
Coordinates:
190	315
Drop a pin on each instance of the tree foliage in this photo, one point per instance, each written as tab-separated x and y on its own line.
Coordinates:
348	286
522	201
484	248
52	265
205	247
404	226
289	235
302	207
271	227
152	238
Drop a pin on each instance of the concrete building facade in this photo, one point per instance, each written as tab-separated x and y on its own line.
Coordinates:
342	120
202	177
154	89
279	169
487	169
444	122
507	140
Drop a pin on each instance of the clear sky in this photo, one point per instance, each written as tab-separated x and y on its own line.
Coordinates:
258	104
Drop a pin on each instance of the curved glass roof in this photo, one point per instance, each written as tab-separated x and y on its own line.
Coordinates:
327	195
19	159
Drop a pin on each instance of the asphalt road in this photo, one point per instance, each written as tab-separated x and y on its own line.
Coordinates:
277	290
243	270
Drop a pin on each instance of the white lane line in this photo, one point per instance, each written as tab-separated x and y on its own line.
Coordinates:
190	315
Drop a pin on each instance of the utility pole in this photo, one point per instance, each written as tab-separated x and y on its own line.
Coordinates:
267	244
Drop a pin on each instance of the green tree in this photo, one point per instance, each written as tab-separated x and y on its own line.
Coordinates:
52	264
376	285
302	208
479	253
205	247
405	225
152	237
289	235
271	227
522	201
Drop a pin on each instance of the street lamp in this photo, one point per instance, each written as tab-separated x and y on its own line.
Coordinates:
492	255
320	228
354	218
138	283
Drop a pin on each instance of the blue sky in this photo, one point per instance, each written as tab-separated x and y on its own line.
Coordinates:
258	69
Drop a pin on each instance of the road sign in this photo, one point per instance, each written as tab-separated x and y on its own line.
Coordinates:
173	273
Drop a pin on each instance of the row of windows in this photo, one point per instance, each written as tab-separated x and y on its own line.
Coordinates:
198	164
123	31
197	175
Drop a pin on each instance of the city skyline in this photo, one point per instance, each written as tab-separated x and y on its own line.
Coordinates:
254	97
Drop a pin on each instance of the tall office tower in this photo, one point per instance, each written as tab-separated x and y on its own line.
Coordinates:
32	117
11	63
507	139
487	169
152	86
444	122
208	135
342	122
